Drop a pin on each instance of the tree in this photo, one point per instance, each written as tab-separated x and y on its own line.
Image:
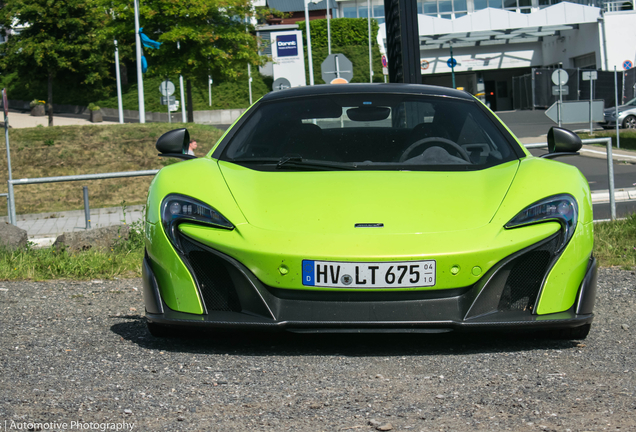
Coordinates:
213	38
52	38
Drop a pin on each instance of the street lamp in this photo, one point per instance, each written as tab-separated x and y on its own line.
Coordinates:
140	77
311	65
370	56
309	58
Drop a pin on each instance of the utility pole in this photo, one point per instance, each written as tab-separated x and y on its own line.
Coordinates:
118	76
184	117
140	78
309	59
370	55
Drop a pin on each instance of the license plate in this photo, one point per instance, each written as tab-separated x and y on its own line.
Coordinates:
394	274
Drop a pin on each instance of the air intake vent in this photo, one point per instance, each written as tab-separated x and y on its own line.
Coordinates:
525	278
215	283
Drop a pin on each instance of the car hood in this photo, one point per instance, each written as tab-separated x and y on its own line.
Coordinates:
621	108
335	201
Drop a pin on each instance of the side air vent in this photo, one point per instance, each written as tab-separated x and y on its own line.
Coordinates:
214	280
525	278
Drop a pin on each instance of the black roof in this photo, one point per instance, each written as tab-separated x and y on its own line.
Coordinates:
325	89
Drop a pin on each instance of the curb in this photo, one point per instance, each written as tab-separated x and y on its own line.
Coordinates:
603	196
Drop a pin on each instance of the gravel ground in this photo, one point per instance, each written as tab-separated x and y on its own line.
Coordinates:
80	352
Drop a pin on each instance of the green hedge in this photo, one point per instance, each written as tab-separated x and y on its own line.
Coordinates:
225	95
344	32
349	36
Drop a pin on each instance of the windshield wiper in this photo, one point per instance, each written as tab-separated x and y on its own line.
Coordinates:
296	161
289	158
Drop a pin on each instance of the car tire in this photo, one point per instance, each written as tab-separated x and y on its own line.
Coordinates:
158	330
629	122
578	333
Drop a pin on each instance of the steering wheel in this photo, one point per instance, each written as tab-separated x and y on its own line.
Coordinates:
445	143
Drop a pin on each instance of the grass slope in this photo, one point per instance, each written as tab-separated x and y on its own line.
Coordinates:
69	150
615	243
628	137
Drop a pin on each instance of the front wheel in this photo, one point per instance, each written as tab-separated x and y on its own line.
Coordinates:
629	122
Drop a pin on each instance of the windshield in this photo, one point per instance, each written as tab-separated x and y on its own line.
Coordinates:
369	131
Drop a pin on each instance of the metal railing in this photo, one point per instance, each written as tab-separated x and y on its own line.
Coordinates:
101	176
617	5
610	166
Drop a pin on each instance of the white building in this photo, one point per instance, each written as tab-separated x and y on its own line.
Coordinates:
496	40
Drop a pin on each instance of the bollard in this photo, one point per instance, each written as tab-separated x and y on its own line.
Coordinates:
610	175
87	210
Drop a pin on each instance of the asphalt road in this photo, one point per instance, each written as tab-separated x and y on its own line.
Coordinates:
533	123
529	123
80	352
595	170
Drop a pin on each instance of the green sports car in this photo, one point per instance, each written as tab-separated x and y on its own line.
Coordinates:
353	208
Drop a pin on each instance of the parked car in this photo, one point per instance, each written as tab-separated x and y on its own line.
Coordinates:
626	116
362	207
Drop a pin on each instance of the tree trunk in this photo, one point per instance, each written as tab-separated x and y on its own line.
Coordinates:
189	101
49	99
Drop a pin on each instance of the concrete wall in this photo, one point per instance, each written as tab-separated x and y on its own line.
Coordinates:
571	44
620	36
224	117
219	117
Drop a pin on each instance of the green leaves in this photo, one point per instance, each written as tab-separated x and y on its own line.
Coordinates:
56	37
213	36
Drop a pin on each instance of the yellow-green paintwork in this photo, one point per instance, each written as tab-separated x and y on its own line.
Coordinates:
456	218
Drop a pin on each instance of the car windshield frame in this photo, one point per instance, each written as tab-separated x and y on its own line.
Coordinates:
490	127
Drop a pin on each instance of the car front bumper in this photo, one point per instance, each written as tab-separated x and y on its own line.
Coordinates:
236	299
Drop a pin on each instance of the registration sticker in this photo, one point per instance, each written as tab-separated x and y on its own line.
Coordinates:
393	274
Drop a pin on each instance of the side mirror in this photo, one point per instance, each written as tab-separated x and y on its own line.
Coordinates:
175	144
562	142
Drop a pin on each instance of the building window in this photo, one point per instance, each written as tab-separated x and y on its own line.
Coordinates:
350	12
480	4
448	9
378	13
586	61
546	3
522	6
360	9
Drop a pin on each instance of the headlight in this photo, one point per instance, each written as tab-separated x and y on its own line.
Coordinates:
559	208
176	209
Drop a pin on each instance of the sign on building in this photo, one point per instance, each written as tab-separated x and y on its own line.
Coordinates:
287	45
288	58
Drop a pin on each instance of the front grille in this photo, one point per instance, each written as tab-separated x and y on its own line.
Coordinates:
213	278
526	275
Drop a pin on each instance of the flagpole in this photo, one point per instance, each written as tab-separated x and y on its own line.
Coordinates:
10	197
184	118
140	78
118	75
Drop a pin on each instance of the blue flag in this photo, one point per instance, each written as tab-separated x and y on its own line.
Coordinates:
148	43
144	64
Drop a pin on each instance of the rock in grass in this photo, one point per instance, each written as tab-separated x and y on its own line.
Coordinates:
101	239
12	237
